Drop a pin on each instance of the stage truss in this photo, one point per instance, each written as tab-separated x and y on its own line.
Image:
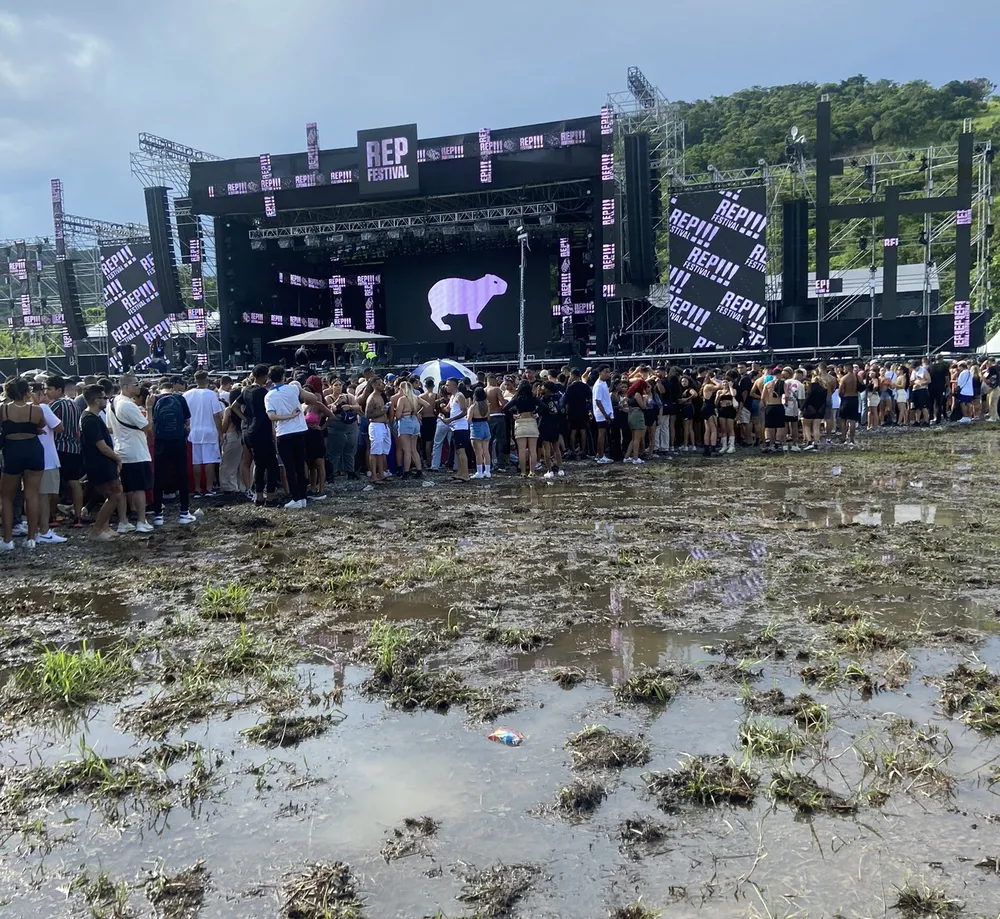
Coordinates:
920	172
159	161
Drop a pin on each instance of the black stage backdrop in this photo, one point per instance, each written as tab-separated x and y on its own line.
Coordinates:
131	296
718	261
476	294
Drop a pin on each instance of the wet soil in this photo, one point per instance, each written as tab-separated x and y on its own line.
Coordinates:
752	685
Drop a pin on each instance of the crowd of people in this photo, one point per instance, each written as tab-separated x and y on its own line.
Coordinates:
109	454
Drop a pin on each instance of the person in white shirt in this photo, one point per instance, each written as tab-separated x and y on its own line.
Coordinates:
604	411
129	426
283	403
206	432
48	488
966	392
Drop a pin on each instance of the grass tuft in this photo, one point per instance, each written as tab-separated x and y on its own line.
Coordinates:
580	798
920	901
598	747
70	679
290	730
705	780
495	891
767	740
226	601
652	687
806	796
322	891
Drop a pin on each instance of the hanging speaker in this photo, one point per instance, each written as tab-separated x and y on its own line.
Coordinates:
641	265
161	237
795	254
69	300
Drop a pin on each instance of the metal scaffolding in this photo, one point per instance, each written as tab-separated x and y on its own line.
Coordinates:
157	162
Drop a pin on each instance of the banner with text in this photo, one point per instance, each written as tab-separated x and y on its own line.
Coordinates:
131	296
718	263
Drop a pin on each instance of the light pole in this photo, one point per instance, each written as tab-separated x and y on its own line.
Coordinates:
522	238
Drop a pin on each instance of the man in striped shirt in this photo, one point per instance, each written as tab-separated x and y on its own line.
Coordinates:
68	445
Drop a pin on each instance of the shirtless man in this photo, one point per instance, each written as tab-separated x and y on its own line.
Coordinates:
499	440
849	411
379	436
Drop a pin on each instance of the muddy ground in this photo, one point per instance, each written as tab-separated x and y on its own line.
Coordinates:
747	686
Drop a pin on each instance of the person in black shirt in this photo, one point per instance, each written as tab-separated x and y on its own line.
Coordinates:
100	461
524	407
939	390
744	386
258	435
577	404
990	374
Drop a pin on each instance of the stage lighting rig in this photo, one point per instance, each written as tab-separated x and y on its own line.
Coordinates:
258	245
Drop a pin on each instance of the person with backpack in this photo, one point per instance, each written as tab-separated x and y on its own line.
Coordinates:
171	423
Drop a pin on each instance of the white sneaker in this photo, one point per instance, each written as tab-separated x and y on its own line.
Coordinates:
637	461
477	475
488	474
319	496
124	528
561	472
29	544
144	527
603	460
20	530
187	518
549	475
303	504
51	538
6	546
158	520
292	505
796	448
628	459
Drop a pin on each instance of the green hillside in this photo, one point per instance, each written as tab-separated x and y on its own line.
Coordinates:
736	131
739	130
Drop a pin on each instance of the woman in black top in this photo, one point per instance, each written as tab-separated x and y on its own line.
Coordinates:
814	410
524	407
23	459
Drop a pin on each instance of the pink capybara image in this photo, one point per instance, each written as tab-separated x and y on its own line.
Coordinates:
462	297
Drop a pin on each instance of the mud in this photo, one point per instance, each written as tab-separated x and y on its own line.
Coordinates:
794	661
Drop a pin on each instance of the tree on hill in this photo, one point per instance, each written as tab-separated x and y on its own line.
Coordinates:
736	131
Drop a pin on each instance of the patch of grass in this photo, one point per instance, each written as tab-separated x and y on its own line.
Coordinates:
388	646
684	572
70	679
974	694
803	709
598	747
767	740
514	638
838	613
408	839
177	896
322	891
909	765
828	670
862	636
290	730
921	901
635	910
350	573
639	834
705	780
806	796
495	891
649	686
580	798
742	671
226	601
568	677
105	898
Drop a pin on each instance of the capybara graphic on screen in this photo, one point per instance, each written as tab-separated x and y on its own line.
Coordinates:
461	297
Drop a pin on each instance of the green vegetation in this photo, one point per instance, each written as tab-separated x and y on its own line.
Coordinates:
516	639
653	687
764	739
322	891
806	796
920	901
736	131
975	695
72	678
598	747
705	780
228	601
634	911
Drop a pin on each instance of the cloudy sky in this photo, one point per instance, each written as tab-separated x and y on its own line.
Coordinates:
79	81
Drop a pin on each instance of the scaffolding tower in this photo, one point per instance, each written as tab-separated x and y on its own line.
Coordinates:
643	109
162	162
